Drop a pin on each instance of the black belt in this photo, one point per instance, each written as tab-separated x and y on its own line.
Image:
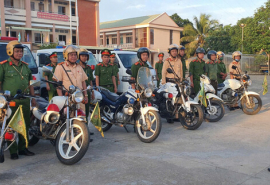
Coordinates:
107	85
170	80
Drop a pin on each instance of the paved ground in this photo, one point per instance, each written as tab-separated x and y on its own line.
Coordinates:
235	150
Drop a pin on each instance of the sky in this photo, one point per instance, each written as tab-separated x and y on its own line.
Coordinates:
226	12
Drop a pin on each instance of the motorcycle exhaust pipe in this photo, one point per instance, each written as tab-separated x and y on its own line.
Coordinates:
105	119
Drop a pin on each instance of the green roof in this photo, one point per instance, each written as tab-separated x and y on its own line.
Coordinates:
128	22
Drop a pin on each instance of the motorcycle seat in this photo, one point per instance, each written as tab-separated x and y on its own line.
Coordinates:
41	103
221	85
110	95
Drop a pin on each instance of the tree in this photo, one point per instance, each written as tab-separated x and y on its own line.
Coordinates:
195	36
179	21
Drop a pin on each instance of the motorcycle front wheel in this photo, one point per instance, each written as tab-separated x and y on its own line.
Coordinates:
215	112
2	157
149	132
255	104
32	139
71	152
193	119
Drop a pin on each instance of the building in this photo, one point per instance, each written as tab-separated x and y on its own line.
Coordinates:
156	32
51	21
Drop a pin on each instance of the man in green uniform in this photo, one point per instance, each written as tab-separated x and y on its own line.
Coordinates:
105	73
48	76
116	69
222	73
158	68
143	55
196	69
211	68
181	55
14	75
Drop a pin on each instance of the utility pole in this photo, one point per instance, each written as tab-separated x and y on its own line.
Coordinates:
242	26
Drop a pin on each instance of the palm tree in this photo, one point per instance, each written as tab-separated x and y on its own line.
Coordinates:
195	36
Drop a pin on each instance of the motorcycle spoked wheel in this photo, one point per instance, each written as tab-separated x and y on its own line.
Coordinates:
151	130
215	112
193	119
257	103
71	152
105	126
32	139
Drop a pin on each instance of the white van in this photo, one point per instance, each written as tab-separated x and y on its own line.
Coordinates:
42	59
125	60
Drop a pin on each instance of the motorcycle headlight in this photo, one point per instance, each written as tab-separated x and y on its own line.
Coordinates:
77	96
187	90
148	92
3	102
249	82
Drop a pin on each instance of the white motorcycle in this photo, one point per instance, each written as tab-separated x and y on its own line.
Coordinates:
62	122
215	108
234	91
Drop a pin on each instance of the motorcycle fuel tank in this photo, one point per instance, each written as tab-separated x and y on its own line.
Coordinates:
97	98
60	101
232	83
170	88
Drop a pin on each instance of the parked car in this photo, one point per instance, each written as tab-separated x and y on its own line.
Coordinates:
42	59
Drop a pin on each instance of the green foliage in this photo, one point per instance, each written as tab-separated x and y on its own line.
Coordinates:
260	59
48	46
179	21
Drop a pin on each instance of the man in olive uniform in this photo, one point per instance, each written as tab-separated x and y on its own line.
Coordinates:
105	73
222	73
158	68
181	55
196	69
211	68
84	57
116	69
48	76
143	55
14	75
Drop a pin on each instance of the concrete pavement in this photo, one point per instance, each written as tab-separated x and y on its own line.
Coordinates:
235	150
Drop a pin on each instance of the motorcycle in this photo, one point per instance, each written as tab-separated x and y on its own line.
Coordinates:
215	109
172	98
233	91
62	122
130	107
7	134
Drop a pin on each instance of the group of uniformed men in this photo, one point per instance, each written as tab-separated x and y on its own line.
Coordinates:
15	74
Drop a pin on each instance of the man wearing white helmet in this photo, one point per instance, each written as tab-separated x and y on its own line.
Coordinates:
236	56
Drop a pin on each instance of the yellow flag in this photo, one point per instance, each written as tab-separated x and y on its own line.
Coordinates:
202	96
265	86
96	120
17	123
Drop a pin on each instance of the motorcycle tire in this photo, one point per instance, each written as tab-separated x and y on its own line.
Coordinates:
138	127
2	156
198	113
105	126
32	139
245	110
171	121
83	140
222	111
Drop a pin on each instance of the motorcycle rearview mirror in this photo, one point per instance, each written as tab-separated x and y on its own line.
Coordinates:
169	70
234	67
49	69
72	89
128	71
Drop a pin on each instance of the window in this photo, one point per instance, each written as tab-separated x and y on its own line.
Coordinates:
41	7
151	36
51	38
50	7
9	3
129	38
74	40
141	37
61	10
171	36
114	39
43	59
32	6
121	39
108	40
73	11
37	38
129	59
101	40
62	38
12	33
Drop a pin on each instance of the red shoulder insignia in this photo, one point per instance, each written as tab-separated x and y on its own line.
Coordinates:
24	62
207	62
88	66
61	63
5	61
100	64
111	64
48	64
136	63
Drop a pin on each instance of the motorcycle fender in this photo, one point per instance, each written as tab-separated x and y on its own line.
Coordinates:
210	96
249	93
188	103
71	121
144	110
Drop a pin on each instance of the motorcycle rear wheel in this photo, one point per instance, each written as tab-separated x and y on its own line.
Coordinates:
72	152
196	114
149	134
105	126
246	107
219	111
